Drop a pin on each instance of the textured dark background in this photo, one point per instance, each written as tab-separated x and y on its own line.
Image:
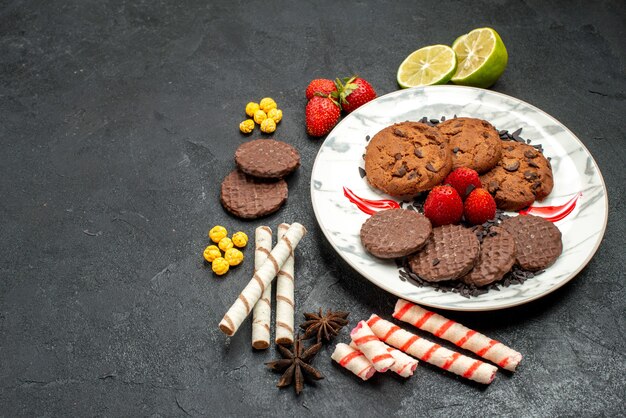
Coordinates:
118	121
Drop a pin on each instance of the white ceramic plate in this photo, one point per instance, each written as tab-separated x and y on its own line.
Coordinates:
574	170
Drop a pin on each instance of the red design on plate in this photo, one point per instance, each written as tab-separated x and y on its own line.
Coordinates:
553	213
369	206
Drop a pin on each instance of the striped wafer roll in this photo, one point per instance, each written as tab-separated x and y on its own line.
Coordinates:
251	294
262	311
405	365
432	353
485	347
353	360
374	349
285	301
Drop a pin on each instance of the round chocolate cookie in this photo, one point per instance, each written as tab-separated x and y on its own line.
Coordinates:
537	241
496	257
407	158
475	143
395	233
267	158
522	176
250	198
448	255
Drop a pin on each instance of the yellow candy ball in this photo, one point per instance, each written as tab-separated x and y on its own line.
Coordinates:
251	108
220	266
275	114
267	103
240	239
211	253
233	256
217	233
225	244
268	126
259	116
246	126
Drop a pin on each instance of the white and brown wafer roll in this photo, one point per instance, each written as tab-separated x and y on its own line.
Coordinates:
405	365
285	301
485	347
262	311
374	349
353	360
432	353
251	294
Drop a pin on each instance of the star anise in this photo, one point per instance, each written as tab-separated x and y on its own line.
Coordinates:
324	326
295	365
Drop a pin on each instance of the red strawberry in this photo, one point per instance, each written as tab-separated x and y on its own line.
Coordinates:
464	180
479	207
443	206
322	114
320	85
354	92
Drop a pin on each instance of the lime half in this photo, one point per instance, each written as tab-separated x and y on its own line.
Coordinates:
433	64
482	58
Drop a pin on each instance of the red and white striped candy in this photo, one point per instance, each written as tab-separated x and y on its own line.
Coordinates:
353	360
405	365
369	344
432	353
485	347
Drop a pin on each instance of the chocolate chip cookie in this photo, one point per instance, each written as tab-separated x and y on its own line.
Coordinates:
537	241
449	254
496	257
475	143
407	158
522	176
249	197
267	158
395	233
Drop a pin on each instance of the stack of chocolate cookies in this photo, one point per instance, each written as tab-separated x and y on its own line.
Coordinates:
257	187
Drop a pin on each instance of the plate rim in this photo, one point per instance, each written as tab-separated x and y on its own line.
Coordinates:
557	286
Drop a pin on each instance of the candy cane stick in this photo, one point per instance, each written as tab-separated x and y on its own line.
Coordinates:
251	294
432	353
262	311
463	337
374	349
285	302
353	360
405	365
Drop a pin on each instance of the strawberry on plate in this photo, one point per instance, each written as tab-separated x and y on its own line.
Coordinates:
479	207
354	92
464	180
321	86
322	114
443	206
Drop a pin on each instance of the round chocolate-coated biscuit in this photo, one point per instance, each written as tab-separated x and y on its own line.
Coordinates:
395	233
250	198
475	143
537	241
407	158
449	254
522	176
267	158
496	257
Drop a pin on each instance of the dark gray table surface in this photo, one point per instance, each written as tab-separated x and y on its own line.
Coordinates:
118	121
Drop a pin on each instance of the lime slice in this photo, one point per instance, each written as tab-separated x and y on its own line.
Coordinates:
433	64
482	58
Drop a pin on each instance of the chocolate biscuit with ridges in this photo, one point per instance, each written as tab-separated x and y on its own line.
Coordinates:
395	233
495	259
475	143
537	241
450	253
407	158
267	158
522	176
249	197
